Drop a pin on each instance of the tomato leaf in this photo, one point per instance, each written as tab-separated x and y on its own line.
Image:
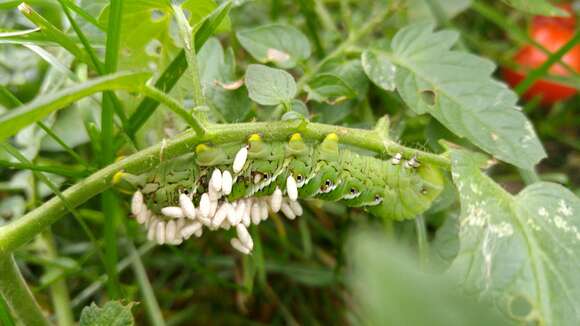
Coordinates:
282	45
146	38
388	285
379	69
113	313
269	86
220	86
457	89
329	88
521	249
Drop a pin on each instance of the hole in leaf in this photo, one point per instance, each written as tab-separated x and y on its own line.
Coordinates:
153	48
520	307
126	52
157	15
429	97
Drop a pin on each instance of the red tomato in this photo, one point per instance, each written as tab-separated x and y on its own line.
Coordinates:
552	37
566	22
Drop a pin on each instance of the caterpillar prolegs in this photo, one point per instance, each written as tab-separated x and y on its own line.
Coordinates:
235	185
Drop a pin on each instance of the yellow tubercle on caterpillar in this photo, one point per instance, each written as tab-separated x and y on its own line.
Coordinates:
117	177
331	137
254	137
201	148
296	137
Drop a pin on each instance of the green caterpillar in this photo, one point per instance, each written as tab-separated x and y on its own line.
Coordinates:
233	186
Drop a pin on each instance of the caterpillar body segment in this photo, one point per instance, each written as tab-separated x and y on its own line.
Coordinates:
235	185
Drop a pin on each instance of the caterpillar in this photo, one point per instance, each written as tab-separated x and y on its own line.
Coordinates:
235	186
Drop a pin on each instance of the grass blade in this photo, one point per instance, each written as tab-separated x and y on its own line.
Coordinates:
109	201
151	304
51	31
14	120
72	6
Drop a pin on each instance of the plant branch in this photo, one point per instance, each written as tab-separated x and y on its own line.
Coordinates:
352	39
17	294
21	231
188	37
192	119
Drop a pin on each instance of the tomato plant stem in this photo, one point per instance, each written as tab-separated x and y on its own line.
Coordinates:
22	230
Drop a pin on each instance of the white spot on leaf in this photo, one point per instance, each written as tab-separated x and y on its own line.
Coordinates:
276	55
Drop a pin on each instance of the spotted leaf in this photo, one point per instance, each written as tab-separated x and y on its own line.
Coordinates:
521	250
457	89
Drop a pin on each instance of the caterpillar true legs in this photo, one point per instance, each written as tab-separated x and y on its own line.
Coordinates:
236	185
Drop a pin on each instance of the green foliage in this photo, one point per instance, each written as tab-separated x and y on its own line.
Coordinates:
389	286
492	249
285	46
525	246
329	88
112	313
222	88
146	39
269	86
25	115
379	69
456	88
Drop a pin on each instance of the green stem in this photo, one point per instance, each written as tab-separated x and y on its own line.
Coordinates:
151	305
513	31
54	33
17	294
66	171
192	119
58	290
22	230
542	70
529	176
324	16
94	287
187	35
422	242
109	202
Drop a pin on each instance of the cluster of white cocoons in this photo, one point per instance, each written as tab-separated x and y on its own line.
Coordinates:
179	223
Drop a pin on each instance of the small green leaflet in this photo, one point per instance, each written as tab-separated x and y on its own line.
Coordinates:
269	86
298	111
282	45
35	110
330	88
537	7
457	89
522	249
113	313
